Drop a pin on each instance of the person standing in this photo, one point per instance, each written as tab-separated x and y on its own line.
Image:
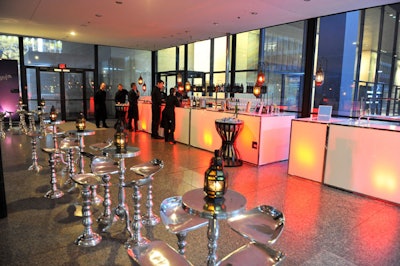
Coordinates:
133	111
100	110
120	98
156	100
168	116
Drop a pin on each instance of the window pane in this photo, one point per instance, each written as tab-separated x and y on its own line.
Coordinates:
166	59
283	65
220	54
9	48
247	50
45	52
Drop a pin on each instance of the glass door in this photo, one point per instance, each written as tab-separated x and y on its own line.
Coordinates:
66	91
73	88
50	91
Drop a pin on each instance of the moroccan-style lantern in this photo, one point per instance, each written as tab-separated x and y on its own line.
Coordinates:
140	80
257	91
53	114
215	180
260	78
181	88
80	123
144	87
20	102
42	103
319	77
120	139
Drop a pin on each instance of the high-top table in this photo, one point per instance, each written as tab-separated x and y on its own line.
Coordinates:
81	139
121	210
228	129
232	204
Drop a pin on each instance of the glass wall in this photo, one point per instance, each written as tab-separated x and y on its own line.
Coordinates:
284	65
50	53
122	65
357	51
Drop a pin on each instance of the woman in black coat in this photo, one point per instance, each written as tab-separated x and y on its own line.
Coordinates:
168	116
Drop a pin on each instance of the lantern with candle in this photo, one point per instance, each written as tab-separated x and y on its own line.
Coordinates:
215	179
80	123
120	139
53	114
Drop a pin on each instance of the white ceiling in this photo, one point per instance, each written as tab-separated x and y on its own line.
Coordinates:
157	24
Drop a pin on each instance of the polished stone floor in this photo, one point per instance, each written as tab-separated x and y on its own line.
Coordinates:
324	225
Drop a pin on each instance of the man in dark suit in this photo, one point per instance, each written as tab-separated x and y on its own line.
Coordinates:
156	100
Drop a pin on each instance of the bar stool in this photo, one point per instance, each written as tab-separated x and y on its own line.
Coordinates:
54	192
263	224
22	124
254	254
104	167
178	221
69	145
88	238
2	133
35	165
148	170
10	125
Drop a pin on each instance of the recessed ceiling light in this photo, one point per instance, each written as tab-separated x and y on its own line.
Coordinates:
72	33
118	2
254	13
98	15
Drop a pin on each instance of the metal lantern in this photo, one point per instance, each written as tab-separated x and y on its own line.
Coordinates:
20	102
257	91
140	80
180	87
42	103
53	114
80	123
144	87
319	77
215	180
120	139
260	78
187	86
214	205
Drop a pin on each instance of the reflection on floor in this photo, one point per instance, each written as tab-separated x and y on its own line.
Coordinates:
324	226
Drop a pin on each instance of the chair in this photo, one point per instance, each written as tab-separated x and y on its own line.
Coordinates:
69	145
54	192
263	224
179	222
88	238
253	254
104	167
148	170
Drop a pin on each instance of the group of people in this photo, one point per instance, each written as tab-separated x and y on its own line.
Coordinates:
120	98
166	119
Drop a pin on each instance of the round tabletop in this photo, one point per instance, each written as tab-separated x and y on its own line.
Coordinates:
57	122
232	204
82	133
229	120
129	153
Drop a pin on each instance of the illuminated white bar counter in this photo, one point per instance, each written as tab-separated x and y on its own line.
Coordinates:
264	139
307	148
364	158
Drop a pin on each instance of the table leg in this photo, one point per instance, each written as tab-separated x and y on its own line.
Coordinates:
212	234
121	211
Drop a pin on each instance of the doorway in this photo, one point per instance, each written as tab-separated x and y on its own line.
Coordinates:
69	92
